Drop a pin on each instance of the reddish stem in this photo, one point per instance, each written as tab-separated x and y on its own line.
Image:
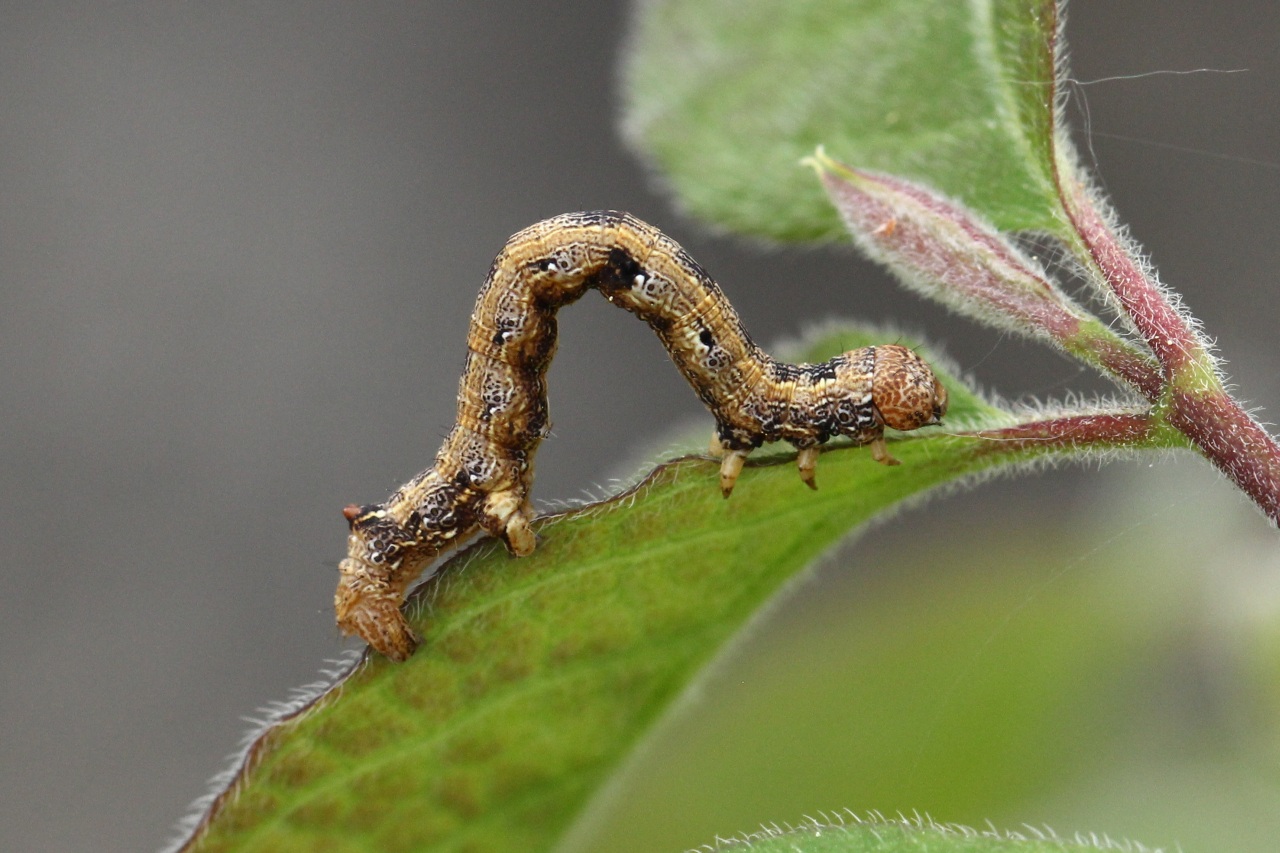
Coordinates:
1072	432
1196	403
1233	441
1134	368
1173	341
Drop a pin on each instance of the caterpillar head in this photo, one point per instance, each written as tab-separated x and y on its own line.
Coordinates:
904	391
365	609
371	584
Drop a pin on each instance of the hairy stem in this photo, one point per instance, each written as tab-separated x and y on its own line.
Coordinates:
1175	343
1096	431
1194	400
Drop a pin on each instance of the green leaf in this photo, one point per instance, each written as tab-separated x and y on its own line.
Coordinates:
727	96
537	676
968	671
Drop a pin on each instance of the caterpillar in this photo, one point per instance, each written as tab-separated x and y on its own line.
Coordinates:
483	473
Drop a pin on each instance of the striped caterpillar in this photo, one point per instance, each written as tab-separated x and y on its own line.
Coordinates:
483	474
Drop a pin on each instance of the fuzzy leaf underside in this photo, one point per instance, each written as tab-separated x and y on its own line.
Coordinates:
726	97
537	676
903	836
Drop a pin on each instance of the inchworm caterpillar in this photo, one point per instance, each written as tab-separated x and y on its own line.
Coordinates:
483	474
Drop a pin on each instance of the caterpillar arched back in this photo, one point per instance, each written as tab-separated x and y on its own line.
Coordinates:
483	474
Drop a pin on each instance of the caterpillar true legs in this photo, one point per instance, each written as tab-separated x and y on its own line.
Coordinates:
483	474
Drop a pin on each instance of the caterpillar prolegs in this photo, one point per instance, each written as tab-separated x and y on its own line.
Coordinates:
483	474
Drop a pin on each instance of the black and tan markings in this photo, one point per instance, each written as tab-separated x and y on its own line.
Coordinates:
482	475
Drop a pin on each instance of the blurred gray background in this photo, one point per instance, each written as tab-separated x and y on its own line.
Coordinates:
239	244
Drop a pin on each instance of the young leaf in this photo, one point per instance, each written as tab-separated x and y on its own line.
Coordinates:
946	252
